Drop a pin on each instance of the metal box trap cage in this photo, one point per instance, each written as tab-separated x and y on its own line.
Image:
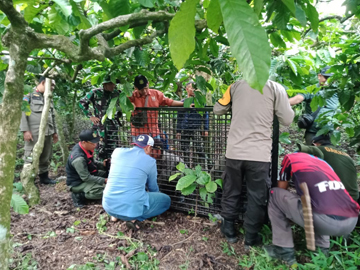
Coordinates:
195	135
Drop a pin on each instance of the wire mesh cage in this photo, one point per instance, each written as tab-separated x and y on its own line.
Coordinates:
193	136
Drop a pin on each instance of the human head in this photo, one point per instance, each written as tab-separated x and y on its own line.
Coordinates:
41	85
324	75
190	89
108	85
145	142
157	149
89	139
321	140
141	84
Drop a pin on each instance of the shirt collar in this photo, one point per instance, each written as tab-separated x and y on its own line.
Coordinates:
89	154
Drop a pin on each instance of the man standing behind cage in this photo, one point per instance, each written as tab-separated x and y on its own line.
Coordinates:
146	122
329	109
100	99
192	126
248	153
30	127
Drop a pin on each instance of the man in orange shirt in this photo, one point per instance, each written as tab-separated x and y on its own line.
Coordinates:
146	122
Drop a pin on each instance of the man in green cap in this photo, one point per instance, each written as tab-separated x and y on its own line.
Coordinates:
30	125
85	177
100	99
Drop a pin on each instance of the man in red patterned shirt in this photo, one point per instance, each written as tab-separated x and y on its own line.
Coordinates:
335	212
143	96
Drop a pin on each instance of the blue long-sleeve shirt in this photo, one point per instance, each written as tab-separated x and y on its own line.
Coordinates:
191	120
131	171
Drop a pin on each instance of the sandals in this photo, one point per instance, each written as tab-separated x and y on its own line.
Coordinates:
135	226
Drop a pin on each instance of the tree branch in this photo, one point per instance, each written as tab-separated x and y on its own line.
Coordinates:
77	70
65	61
16	19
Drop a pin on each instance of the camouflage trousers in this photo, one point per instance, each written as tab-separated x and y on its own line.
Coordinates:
109	138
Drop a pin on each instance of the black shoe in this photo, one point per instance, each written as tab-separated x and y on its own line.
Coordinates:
78	199
251	240
227	228
44	179
281	253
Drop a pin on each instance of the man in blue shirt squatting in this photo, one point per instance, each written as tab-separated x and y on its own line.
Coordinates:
132	171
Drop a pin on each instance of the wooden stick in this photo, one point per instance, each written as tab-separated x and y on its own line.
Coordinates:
308	217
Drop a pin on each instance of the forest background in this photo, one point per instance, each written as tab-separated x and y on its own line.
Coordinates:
79	42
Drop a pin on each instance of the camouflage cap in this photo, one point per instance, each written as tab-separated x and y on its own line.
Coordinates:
324	72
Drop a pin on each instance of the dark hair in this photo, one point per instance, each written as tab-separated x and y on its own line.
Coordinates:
41	79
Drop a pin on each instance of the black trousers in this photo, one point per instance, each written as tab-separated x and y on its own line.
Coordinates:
256	175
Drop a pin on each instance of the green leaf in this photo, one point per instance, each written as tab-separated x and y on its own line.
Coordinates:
201	83
188	171
213	16
115	8
125	104
180	166
147	3
30	12
112	108
56	20
174	176
18	204
203	192
142	57
203	179
182	33
211	187
335	137
292	66
219	182
284	138
65	6
185	181
188	190
200	99
276	40
290	4
204	69
214	48
25	107
313	17
79	12
18	186
142	257
300	15
248	41
188	102
258	5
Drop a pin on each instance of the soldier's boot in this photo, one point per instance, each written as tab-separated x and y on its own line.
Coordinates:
228	230
251	240
79	199
44	179
281	253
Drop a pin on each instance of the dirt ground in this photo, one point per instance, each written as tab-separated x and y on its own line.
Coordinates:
58	235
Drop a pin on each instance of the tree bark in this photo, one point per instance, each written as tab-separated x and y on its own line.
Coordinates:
62	141
10	115
30	171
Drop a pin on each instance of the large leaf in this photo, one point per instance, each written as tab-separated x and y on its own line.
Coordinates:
300	15
188	190
147	3
182	33
174	176
290	4
18	204
203	192
219	182
211	187
292	66
65	6
213	16
313	17
57	21
248	41
112	108
77	11
115	8
30	12
185	181
180	166
258	5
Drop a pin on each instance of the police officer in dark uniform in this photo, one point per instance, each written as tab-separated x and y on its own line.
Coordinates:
30	125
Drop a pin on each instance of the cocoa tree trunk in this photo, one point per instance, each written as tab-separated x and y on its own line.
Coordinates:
10	115
30	170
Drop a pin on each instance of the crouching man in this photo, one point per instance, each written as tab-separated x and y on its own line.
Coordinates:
84	177
132	171
334	212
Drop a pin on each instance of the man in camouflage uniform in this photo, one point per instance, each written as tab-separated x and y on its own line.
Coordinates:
30	127
100	100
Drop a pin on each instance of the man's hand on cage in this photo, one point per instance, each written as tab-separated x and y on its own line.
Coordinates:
95	120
